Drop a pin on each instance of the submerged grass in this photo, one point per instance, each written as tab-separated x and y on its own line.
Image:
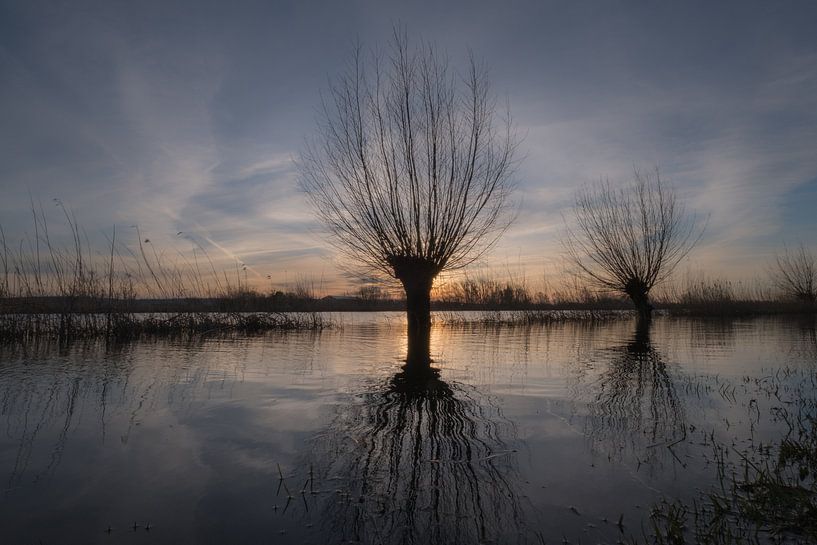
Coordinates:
764	493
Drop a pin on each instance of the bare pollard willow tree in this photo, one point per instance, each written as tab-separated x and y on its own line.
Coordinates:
629	239
795	274
410	170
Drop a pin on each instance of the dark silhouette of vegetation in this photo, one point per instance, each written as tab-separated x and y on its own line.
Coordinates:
795	274
410	173
496	293
71	292
131	288
628	240
719	297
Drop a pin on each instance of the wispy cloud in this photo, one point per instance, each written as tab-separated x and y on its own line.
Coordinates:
187	120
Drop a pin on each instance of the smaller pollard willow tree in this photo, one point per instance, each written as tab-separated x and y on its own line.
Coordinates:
795	275
627	240
410	171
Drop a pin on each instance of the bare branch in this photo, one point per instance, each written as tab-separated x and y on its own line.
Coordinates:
795	274
408	166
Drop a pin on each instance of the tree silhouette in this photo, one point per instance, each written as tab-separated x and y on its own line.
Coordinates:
410	170
629	239
795	274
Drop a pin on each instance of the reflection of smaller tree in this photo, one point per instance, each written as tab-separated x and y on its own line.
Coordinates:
805	343
420	461
709	334
637	401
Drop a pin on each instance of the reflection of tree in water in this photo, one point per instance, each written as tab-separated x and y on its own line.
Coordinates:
804	345
421	461
636	402
710	335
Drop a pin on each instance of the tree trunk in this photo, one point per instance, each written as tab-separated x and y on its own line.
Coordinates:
642	306
417	276
418	313
639	294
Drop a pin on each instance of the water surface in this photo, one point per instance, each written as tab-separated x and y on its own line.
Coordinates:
526	434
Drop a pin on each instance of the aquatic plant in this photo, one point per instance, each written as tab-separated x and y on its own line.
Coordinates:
763	493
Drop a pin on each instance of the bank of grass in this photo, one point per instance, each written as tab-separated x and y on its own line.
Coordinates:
508	318
27	328
88	315
130	289
700	296
705	296
71	291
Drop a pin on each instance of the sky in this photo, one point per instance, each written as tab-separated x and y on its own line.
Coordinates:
186	118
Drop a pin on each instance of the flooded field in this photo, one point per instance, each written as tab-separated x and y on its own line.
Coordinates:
567	431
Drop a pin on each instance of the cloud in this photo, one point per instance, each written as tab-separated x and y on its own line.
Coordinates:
187	120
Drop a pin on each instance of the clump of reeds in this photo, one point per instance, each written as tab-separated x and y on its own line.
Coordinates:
484	292
69	291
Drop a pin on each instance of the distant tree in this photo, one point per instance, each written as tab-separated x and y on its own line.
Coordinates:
795	274
629	239
371	293
410	170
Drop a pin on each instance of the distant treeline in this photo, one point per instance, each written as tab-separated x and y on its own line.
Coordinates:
248	301
702	296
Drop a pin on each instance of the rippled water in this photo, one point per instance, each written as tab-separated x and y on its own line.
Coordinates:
526	434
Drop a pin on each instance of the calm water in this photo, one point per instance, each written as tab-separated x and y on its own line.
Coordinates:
527	433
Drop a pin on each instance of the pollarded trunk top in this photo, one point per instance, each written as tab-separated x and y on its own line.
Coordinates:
636	288
414	272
